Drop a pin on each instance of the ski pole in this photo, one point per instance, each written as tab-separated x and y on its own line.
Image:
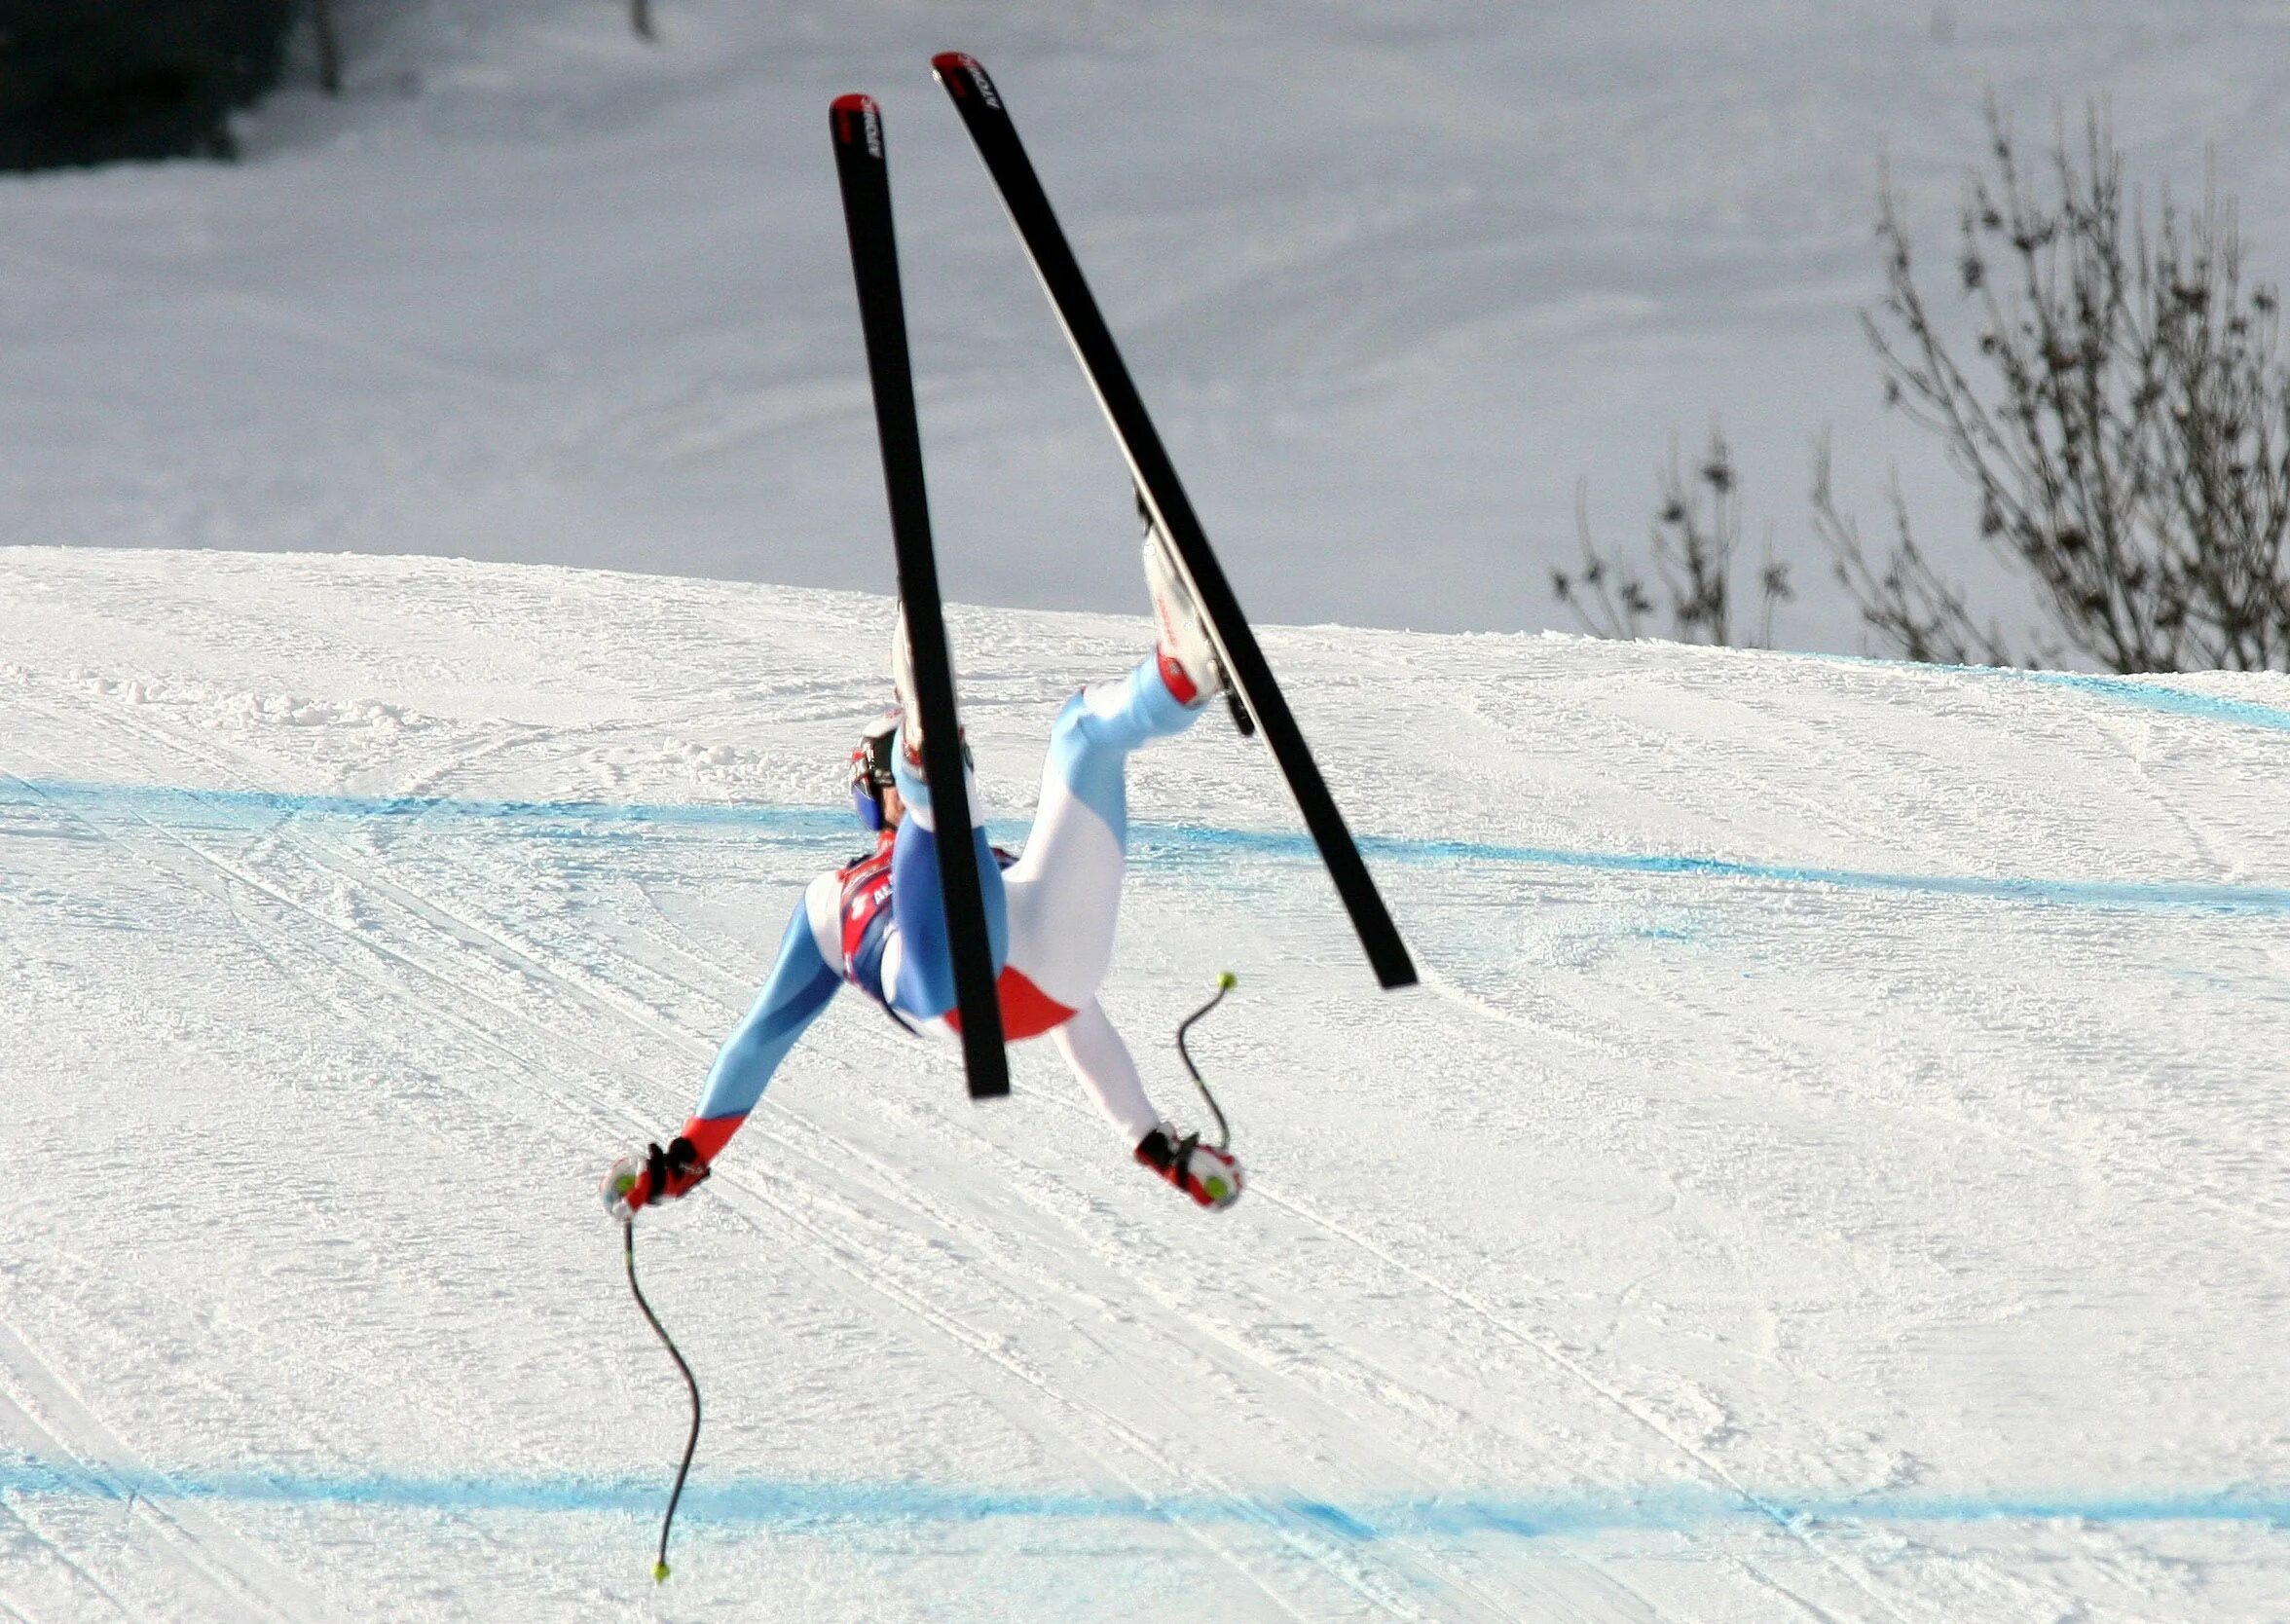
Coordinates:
1226	982
628	1252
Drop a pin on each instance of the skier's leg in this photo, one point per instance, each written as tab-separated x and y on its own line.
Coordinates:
1095	1054
922	982
1064	899
1066	891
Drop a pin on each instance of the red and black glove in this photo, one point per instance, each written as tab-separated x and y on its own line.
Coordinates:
638	1181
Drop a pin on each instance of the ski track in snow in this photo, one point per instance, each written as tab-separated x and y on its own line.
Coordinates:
1670	1184
1309	1543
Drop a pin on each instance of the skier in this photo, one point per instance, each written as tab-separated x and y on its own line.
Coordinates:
880	922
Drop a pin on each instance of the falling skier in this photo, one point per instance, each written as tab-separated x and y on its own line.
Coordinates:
880	923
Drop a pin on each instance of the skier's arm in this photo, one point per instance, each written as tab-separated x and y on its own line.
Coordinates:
1104	1064
800	985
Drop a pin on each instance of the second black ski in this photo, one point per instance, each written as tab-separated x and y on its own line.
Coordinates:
1167	505
864	168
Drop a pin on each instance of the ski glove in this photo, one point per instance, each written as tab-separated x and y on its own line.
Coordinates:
636	1182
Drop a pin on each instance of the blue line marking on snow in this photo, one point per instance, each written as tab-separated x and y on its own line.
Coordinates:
2153	694
2099	894
783	1504
832	832
2158	696
260	809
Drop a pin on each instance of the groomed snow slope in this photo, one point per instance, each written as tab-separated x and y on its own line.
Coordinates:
1884	1220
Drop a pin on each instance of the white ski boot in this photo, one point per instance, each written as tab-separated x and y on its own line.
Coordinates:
1188	658
902	681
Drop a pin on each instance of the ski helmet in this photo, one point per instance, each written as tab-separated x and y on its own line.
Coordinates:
870	768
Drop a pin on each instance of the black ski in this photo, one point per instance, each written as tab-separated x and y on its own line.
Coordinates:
1167	508
857	126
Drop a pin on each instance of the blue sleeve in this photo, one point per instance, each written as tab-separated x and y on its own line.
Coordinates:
800	987
926	966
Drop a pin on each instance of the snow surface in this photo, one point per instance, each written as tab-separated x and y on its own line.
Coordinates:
1396	276
1834	1172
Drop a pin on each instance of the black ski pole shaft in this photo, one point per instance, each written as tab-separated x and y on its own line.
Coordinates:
1226	982
692	1441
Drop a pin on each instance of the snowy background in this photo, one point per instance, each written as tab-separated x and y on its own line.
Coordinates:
1396	276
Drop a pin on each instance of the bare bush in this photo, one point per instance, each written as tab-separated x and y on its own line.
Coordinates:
1916	610
1695	539
2125	420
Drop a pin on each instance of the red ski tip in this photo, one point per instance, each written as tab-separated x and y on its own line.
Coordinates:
961	72
856	121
